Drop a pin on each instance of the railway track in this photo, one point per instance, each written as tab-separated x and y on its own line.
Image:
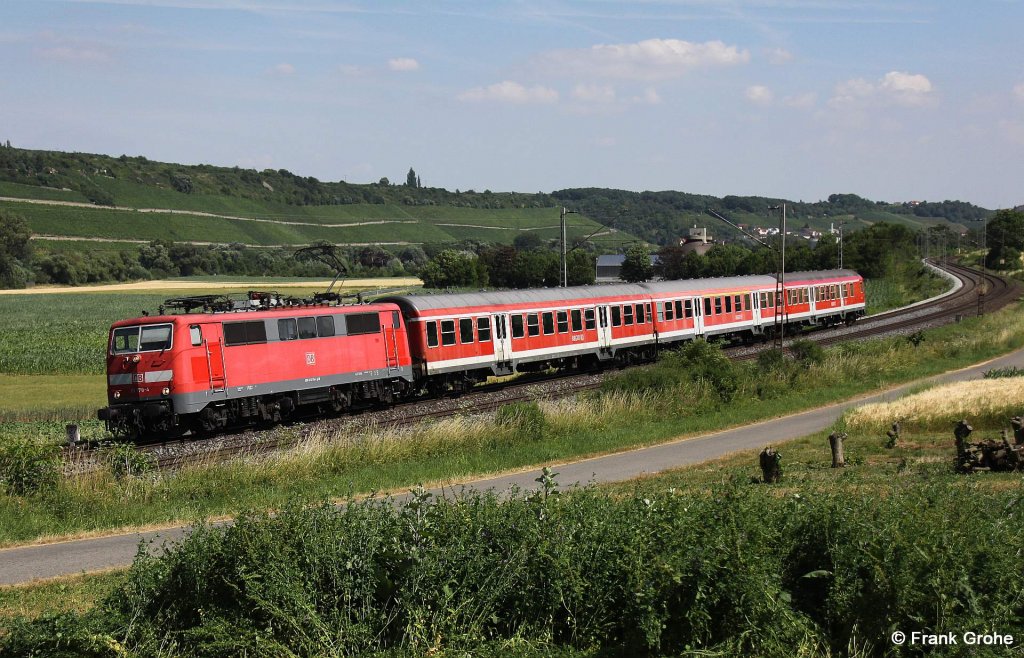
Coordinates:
980	292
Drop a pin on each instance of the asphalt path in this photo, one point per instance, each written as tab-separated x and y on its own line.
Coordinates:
28	563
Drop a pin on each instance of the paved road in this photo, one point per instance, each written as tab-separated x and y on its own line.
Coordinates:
24	564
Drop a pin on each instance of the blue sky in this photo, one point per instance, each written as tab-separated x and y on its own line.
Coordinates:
893	100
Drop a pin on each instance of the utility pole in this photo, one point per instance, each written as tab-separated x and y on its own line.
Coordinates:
565	267
780	289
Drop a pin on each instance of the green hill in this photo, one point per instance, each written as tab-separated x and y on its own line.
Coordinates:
132	198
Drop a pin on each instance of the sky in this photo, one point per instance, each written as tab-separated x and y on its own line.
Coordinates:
894	100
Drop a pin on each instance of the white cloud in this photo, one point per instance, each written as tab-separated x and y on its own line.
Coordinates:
403	64
895	87
759	95
653	59
593	93
779	56
801	101
649	97
510	92
283	68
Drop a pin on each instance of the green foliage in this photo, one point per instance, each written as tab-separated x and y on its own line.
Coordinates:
806	352
28	466
525	419
454	269
695	362
736	571
1011	371
125	461
637	265
15	250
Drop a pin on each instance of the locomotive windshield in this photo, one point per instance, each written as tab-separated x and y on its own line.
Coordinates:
145	338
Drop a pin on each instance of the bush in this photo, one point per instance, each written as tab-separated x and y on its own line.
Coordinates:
28	467
807	352
125	460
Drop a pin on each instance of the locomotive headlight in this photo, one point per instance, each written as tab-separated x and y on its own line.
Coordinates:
117	395
167	390
136	358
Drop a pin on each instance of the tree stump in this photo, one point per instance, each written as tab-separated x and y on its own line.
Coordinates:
894	435
771	465
835	442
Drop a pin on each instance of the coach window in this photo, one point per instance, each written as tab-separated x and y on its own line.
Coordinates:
447	332
616	316
737	303
679	309
483	329
196	333
533	324
286	329
563	322
718	305
707	306
517	326
728	304
669	311
641	317
431	334
325	326
466	330
549	322
588	316
577	319
627	314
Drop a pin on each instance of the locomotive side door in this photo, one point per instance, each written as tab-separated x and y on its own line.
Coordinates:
502	341
390	324
211	337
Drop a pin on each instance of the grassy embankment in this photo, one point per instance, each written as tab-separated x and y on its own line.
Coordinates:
695	392
703	561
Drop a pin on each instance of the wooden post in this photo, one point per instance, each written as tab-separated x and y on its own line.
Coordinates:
835	441
74	435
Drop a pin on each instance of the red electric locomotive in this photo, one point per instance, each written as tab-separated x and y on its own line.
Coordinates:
203	371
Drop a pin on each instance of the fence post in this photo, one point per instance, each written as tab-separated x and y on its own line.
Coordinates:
835	441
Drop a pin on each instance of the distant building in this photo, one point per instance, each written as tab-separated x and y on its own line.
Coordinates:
697	241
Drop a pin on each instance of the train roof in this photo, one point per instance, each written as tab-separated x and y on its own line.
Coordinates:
794	277
529	296
689	285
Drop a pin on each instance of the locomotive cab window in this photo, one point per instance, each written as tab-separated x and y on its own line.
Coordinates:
447	332
195	332
147	338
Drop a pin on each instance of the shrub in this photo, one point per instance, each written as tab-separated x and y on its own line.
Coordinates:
125	460
807	352
28	467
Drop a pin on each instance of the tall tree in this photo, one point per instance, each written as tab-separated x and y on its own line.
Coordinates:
411	180
637	265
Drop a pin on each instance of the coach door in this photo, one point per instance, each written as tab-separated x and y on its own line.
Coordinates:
502	341
604	328
698	316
